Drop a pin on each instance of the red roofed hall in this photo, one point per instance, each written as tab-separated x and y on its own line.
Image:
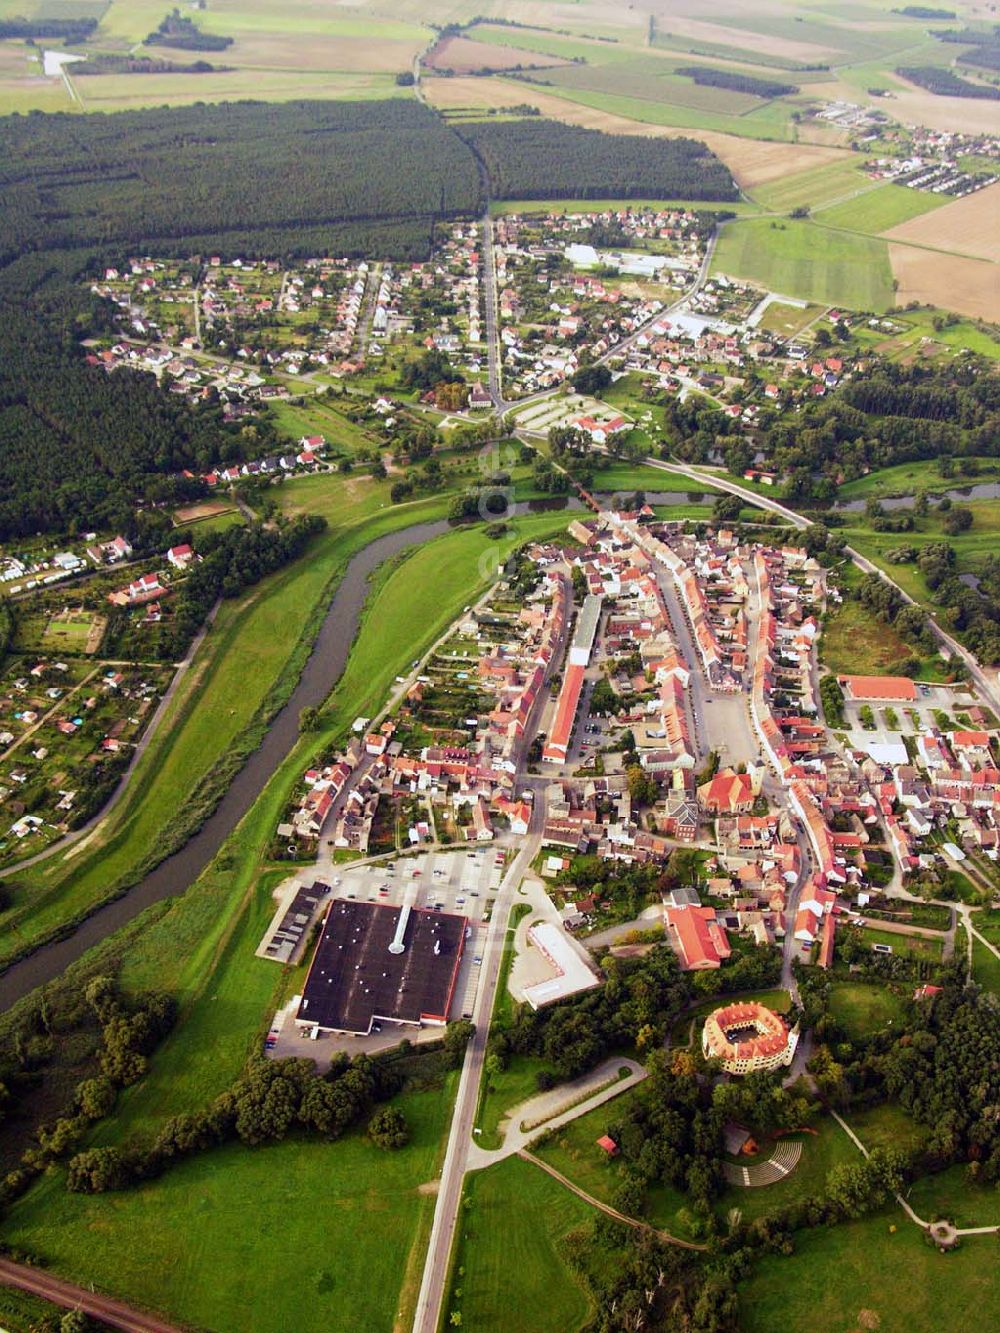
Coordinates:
890	688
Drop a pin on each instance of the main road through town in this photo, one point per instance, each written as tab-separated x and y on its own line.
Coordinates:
449	1197
987	686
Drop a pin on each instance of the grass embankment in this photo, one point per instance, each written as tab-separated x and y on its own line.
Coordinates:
223	1210
246	670
985	966
912	478
508	1259
516	1083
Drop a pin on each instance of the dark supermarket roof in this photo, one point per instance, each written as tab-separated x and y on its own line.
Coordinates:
355	980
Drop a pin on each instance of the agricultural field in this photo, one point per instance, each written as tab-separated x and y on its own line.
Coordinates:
951	282
964	226
814	264
876	211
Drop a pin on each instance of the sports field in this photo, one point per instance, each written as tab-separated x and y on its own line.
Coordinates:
806	261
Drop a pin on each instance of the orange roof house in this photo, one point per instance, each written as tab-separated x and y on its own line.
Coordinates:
892	689
696	937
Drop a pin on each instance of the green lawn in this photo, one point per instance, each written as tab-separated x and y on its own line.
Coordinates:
985	966
878	1273
507	1269
830	1146
573	1151
876	210
862	1008
347	1215
821	1151
952	1195
623	476
800	259
907	946
912	478
778	1000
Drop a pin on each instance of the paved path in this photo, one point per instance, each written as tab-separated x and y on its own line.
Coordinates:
71	1297
542	1113
913	1216
606	1208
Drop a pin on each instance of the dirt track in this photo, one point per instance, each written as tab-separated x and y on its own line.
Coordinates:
71	1297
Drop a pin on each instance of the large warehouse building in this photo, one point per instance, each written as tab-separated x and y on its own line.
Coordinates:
378	963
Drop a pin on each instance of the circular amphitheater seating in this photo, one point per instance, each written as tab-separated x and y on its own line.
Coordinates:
781	1163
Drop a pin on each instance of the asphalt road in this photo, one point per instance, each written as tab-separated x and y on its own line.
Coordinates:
432	1287
114	1313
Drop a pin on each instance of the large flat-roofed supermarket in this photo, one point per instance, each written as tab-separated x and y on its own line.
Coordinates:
378	963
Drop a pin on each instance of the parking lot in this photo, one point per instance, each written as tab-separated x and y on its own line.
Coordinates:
464	882
913	718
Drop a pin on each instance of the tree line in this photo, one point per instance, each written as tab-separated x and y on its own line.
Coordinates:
539	159
738	83
181	31
945	83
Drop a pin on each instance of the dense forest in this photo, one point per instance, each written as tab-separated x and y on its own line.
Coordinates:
542	159
77	447
946	84
179	178
77	444
735	82
103	64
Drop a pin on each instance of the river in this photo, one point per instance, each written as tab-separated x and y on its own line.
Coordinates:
984	490
172	876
